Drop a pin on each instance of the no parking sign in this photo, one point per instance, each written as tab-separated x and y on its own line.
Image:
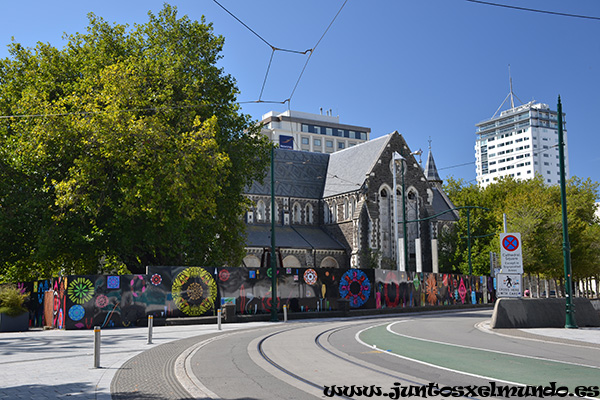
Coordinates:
511	255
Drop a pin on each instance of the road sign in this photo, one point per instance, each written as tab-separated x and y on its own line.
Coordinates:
509	285
511	256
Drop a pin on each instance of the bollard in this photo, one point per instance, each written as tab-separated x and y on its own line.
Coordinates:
150	326
96	347
284	313
219	319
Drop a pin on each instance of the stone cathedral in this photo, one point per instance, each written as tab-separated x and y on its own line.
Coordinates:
337	210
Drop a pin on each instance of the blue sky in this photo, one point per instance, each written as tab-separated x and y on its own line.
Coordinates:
426	68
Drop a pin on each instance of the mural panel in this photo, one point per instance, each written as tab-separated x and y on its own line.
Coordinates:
85	301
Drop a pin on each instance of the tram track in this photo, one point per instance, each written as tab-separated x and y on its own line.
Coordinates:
344	362
298	360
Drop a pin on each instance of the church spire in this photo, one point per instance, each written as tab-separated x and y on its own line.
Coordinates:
431	172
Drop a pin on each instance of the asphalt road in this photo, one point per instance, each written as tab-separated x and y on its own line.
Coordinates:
304	360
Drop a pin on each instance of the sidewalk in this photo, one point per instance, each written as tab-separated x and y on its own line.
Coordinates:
59	364
587	335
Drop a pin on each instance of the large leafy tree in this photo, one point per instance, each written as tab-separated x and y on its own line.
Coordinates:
534	210
125	148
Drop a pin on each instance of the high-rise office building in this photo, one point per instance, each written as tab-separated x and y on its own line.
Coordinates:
318	133
520	142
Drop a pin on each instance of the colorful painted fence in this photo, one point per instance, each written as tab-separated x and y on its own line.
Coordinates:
82	302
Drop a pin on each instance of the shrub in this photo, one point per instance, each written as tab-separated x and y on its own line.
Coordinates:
11	301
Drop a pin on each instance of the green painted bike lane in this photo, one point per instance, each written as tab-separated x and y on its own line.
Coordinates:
483	363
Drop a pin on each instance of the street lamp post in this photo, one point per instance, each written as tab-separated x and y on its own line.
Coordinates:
274	317
570	317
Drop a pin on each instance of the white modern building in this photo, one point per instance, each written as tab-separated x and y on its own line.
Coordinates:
318	133
521	142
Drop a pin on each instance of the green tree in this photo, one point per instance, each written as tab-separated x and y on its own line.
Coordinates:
127	149
454	254
534	210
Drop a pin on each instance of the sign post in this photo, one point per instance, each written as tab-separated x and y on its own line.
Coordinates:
511	257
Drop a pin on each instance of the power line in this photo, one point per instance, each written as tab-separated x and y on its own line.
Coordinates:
534	10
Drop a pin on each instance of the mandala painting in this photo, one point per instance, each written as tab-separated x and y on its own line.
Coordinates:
80	290
356	287
194	291
310	276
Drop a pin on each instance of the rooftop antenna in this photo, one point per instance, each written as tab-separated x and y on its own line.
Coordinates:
511	94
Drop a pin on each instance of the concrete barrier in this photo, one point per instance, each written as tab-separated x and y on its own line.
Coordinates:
541	313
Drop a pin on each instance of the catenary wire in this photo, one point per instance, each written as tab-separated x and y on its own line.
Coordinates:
257	35
65	114
534	10
314	48
259	101
266	75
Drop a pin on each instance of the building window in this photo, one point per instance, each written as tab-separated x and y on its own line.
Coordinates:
346	210
329	131
341	145
333	212
317	142
296	214
329	144
305	140
309	213
261	211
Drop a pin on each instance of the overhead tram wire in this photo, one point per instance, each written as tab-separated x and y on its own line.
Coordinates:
487	3
514	162
257	35
273	49
314	48
456	166
126	110
259	101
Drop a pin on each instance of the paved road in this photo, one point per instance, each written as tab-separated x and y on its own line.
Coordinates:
292	361
448	349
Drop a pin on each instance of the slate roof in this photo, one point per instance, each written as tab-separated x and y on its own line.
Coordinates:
297	174
442	203
298	237
348	168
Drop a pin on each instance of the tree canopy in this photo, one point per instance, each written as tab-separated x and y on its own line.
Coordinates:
533	209
125	148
